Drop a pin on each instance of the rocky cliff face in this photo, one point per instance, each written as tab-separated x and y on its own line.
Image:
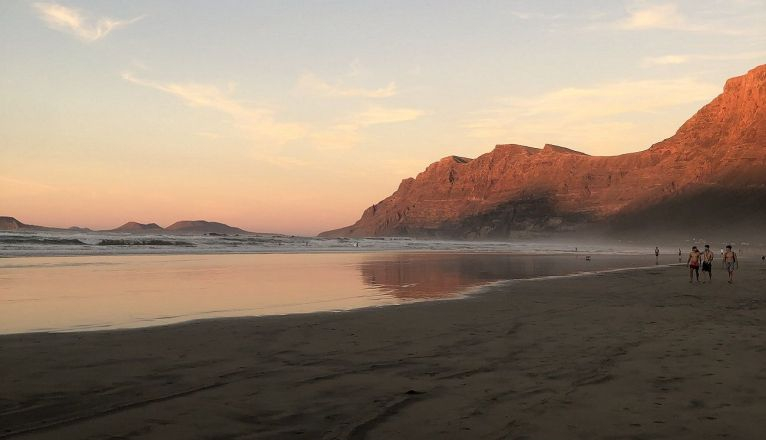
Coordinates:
515	188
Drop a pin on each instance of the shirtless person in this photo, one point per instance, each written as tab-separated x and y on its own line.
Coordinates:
694	264
707	262
730	261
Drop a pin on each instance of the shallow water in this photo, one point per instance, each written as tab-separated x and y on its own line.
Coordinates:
127	291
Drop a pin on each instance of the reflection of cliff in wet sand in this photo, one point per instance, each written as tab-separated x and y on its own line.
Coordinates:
411	277
437	275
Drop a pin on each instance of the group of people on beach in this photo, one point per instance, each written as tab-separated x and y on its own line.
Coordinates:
705	260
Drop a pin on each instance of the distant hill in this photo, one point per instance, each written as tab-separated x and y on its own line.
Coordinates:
203	227
710	177
135	227
79	229
11	224
185	227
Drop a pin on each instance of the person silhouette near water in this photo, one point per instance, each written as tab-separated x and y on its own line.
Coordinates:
730	262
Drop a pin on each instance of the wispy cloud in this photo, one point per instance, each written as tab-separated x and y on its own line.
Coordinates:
594	116
258	123
73	21
347	133
687	58
261	124
313	85
668	16
662	16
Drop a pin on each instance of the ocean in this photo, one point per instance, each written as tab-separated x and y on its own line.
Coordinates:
50	283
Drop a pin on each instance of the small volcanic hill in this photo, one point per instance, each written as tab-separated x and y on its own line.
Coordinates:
134	227
710	174
11	224
79	229
203	227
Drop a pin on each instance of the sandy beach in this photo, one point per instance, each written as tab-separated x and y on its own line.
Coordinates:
637	354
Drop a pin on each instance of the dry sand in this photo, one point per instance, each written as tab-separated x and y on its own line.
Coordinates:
638	354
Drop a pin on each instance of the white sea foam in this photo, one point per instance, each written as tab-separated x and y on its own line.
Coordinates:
102	243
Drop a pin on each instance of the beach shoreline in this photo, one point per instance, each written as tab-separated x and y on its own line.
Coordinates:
636	353
92	293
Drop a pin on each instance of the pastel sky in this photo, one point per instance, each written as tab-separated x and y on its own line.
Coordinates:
294	116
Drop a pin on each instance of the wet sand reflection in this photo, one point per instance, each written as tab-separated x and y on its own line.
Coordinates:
104	292
440	275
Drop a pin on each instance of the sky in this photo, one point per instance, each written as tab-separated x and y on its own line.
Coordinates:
294	116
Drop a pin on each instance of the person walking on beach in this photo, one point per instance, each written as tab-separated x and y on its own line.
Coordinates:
707	262
657	252
731	263
694	264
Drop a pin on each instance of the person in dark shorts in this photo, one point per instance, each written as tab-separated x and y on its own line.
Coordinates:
694	264
731	263
707	262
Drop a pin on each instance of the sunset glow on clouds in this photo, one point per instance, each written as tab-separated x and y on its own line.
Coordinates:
72	21
294	117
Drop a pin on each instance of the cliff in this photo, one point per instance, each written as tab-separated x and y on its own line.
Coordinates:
716	161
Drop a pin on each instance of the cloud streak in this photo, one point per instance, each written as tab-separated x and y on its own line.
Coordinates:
347	133
665	16
602	116
313	85
665	60
257	123
74	22
260	124
669	17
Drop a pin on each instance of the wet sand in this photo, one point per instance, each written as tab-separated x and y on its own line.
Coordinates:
638	354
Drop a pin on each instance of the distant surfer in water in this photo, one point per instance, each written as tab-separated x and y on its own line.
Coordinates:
694	264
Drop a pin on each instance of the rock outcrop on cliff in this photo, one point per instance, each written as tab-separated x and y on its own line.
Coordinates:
716	161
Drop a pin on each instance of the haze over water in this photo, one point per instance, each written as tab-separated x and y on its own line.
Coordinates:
127	291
